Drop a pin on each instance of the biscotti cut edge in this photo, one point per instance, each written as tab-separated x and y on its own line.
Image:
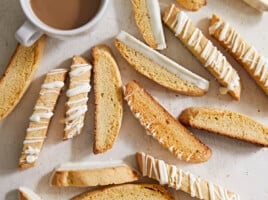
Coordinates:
12	89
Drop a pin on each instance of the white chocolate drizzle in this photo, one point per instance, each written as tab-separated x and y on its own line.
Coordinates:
163	61
156	23
37	128
236	44
170	175
211	56
77	108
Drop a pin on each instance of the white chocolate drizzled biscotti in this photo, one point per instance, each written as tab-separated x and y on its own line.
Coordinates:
27	194
225	122
178	179
127	191
203	49
159	68
255	64
163	127
108	98
93	174
148	19
40	119
77	94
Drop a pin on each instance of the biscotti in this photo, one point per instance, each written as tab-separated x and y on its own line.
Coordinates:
159	68
255	64
192	5
163	127
178	179
148	19
108	98
226	123
27	194
93	174
18	75
127	191
40	119
77	93
203	49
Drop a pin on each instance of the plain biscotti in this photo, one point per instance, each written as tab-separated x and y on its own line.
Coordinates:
163	127
93	174
179	179
129	192
148	19
225	122
255	64
203	49
108	98
159	68
18	75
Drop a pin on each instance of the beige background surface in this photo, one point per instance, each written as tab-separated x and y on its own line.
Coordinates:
236	165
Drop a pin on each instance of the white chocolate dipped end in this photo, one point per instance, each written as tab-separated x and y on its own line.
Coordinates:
27	194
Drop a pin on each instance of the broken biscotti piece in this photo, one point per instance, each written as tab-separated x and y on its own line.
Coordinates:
27	194
93	174
192	5
159	68
127	191
255	64
77	94
212	59
226	123
178	179
108	98
163	127
148	19
18	75
40	119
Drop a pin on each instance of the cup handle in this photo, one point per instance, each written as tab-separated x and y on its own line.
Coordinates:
27	34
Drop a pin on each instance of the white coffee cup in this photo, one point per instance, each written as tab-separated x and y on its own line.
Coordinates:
34	28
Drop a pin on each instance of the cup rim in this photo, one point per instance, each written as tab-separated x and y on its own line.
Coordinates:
26	7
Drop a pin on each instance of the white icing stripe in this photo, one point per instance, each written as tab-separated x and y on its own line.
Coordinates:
211	56
235	43
55	84
77	101
78	112
156	23
42	108
29	141
163	61
82	88
36	117
78	70
36	128
57	71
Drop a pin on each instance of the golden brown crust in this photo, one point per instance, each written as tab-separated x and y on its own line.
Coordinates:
193	5
94	177
238	48
224	122
142	19
127	191
163	127
18	75
215	69
156	72
108	98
